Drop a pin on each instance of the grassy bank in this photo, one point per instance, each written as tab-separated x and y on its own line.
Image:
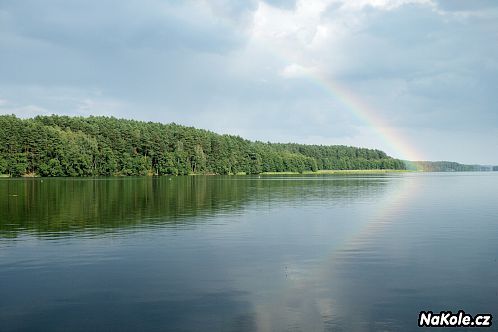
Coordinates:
345	171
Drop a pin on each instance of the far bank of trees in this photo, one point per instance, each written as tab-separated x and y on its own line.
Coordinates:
446	166
105	146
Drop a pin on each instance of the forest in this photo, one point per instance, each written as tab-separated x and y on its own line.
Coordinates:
107	146
445	166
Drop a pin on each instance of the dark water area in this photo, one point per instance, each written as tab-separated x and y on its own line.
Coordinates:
241	253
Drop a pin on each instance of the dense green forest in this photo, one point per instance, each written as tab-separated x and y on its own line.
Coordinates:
104	146
445	166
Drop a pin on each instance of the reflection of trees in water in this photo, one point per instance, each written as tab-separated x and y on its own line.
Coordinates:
71	205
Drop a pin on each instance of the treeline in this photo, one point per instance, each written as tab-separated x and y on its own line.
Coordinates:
445	166
105	146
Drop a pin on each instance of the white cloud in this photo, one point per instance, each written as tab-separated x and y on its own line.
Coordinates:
294	70
89	106
29	101
381	4
24	111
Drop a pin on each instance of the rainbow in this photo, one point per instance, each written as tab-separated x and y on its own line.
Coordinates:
402	195
398	199
389	136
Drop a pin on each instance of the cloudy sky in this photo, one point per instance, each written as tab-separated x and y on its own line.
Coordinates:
416	78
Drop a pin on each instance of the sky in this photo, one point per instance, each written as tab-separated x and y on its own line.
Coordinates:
415	78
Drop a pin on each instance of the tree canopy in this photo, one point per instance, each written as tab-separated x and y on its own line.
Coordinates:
104	146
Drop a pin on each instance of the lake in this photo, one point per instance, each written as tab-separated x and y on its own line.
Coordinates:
246	253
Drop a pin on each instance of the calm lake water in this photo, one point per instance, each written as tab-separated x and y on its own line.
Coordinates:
279	253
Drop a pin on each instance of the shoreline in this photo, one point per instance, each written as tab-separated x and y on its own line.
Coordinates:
319	172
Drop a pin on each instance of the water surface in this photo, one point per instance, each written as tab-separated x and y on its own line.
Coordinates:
279	253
